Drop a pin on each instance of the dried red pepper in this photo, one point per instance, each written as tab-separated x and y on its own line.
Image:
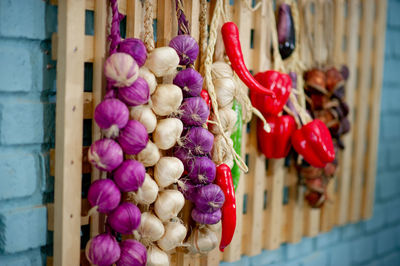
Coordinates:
230	35
276	144
224	181
204	95
314	142
280	84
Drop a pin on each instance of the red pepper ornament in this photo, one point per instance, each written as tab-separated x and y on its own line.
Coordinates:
280	84
230	35
314	142
224	181
276	144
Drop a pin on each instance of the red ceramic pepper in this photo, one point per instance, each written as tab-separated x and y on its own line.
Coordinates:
230	35
280	84
314	142
224	181
276	144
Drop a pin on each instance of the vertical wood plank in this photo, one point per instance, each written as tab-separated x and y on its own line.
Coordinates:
275	179
328	210
69	127
99	54
374	103
165	16
345	176
134	18
253	221
295	215
360	124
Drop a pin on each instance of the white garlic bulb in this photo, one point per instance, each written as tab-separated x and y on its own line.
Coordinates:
225	88
156	257
146	194
166	99
168	204
228	120
149	156
162	61
202	240
167	171
144	115
151	228
221	69
145	73
214	227
167	133
221	152
175	233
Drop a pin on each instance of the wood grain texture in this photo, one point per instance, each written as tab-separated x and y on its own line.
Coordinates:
69	128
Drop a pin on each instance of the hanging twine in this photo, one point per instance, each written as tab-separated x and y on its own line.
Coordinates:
114	36
203	34
249	7
278	62
148	37
183	24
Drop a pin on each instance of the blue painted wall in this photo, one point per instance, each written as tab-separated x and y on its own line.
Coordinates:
27	91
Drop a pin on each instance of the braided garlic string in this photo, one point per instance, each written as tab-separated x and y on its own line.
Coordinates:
148	38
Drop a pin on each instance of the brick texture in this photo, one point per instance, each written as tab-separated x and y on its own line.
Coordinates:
26	128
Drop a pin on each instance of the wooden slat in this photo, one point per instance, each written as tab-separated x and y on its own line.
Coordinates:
374	103
253	221
328	210
295	217
87	105
360	124
275	179
50	214
134	19
69	128
90	5
166	22
311	221
99	56
345	176
86	166
88	48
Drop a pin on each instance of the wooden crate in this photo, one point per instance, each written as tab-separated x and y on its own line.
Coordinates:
271	209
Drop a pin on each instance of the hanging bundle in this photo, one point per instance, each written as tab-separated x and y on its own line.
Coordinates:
120	135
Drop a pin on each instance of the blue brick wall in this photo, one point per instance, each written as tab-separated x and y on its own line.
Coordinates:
27	90
375	242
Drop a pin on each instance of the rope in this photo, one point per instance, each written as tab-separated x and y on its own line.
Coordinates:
252	9
148	25
183	24
203	34
218	12
114	37
278	62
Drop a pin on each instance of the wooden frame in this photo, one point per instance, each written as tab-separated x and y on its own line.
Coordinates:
264	220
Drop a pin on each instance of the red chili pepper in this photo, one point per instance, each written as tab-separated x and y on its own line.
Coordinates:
276	144
224	181
206	97
314	142
280	84
230	35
